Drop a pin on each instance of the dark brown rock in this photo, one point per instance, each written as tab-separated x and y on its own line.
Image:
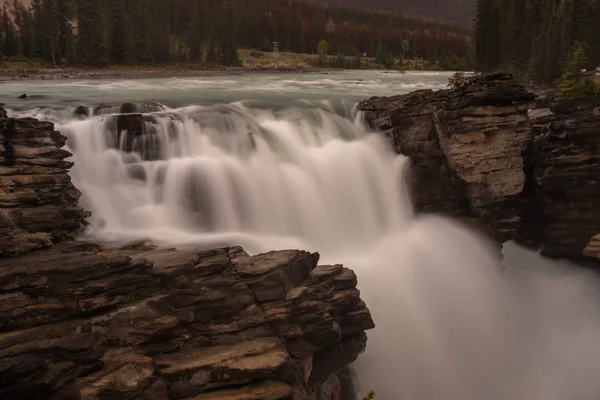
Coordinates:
79	321
563	213
478	156
38	202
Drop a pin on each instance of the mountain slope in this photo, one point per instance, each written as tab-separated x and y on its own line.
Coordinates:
461	11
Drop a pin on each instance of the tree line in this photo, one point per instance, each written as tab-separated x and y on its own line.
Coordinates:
538	39
103	32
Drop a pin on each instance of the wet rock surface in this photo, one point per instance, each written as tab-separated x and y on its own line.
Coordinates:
479	156
38	202
84	322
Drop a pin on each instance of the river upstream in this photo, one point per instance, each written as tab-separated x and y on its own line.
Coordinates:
285	161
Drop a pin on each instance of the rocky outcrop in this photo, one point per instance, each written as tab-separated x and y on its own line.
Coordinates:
562	194
38	203
82	322
478	156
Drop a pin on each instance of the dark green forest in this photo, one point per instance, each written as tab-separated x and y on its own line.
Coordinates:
538	39
108	32
460	11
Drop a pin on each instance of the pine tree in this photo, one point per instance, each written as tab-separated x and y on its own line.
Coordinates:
92	48
194	32
580	20
573	86
142	28
228	54
487	33
64	30
23	24
3	17
121	35
322	49
593	37
405	49
11	41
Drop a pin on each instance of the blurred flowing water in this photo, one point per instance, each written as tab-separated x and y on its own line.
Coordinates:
285	161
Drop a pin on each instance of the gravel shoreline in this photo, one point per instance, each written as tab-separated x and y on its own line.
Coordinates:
7	76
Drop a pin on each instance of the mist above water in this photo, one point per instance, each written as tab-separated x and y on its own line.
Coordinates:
453	323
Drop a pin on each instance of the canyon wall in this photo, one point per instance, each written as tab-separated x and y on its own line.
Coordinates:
480	156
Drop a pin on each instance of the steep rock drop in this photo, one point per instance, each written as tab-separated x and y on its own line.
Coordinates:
484	154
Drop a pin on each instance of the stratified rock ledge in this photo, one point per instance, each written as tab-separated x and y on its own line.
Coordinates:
38	203
481	155
78	321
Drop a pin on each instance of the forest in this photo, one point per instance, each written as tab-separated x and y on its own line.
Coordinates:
122	32
537	39
459	11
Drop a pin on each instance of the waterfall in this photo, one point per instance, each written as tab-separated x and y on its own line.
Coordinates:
452	322
307	173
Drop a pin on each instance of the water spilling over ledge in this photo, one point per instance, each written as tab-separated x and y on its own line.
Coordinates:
302	174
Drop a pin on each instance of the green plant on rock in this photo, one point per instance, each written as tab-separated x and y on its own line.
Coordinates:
458	80
322	49
370	396
573	83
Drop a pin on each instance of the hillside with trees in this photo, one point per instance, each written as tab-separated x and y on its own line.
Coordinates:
126	32
459	11
540	40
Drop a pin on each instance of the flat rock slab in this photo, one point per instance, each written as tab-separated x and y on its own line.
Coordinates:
269	390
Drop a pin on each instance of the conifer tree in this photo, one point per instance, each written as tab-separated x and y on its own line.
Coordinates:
228	27
487	32
194	32
2	33
121	34
64	30
92	46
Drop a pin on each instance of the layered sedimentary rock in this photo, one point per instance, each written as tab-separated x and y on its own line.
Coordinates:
82	322
38	203
563	188
478	156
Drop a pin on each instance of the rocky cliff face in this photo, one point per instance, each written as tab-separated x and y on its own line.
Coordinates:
82	322
38	202
478	156
79	321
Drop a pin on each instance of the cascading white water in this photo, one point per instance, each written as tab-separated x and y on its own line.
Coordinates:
303	174
452	323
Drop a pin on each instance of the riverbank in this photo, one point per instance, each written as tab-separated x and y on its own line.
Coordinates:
12	74
266	63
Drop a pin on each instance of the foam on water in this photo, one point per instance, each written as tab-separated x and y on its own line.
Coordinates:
452	322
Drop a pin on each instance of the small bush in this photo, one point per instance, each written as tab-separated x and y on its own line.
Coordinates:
370	396
574	85
256	53
458	80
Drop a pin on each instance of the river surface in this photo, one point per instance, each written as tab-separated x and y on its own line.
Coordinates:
285	161
178	92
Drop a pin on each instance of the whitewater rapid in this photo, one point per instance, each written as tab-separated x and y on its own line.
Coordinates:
453	323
